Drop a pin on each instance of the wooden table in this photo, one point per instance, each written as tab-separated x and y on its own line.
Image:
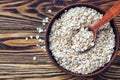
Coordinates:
21	59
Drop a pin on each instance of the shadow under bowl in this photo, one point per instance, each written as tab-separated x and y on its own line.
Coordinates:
115	29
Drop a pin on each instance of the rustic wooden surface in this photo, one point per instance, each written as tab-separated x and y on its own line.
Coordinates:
18	20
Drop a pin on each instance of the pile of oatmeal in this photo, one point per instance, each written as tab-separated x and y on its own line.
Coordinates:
65	41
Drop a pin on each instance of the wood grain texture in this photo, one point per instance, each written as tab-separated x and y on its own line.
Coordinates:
18	20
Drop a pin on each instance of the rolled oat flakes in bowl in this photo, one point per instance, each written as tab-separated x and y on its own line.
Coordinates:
66	37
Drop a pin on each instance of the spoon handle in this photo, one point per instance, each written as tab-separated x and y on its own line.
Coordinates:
109	15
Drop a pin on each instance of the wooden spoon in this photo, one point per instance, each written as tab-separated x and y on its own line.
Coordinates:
109	15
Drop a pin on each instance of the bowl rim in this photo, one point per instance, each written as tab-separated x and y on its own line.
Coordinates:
113	25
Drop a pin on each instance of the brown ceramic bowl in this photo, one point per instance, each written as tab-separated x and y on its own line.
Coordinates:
115	29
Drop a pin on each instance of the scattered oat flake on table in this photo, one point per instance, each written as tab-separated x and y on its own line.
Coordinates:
26	38
37	45
37	37
49	10
40	30
31	37
43	23
40	40
34	58
43	47
47	18
43	20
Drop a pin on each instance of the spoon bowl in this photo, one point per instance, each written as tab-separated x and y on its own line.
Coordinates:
93	31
